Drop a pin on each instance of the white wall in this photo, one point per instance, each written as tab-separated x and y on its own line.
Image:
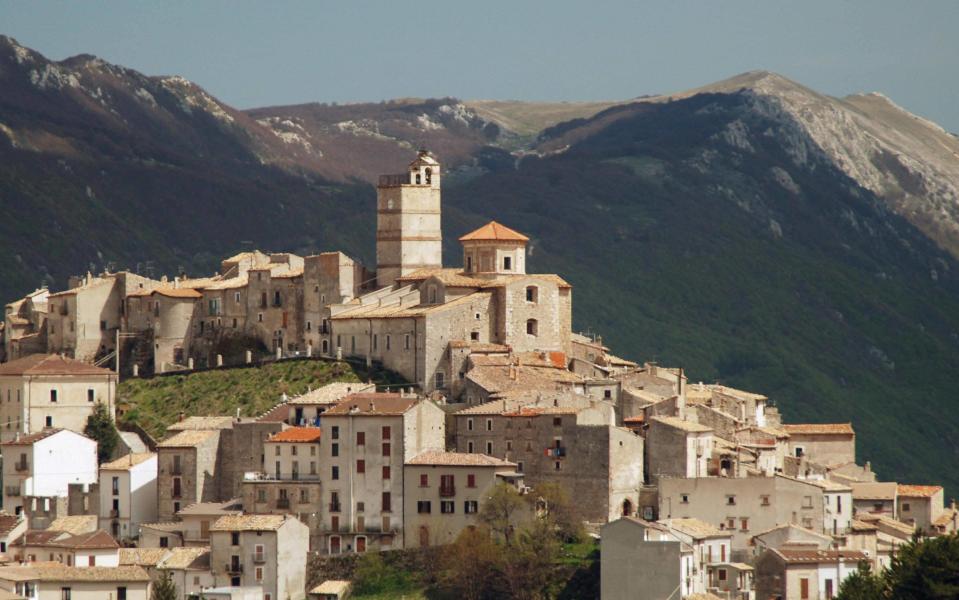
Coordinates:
59	460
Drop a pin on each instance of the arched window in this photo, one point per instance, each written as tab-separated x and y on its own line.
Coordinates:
532	327
432	294
417	179
532	293
627	507
429	175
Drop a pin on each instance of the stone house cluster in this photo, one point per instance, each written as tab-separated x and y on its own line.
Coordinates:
695	489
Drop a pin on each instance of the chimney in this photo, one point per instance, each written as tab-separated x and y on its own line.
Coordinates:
181	416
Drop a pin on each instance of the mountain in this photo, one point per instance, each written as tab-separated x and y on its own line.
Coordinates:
753	231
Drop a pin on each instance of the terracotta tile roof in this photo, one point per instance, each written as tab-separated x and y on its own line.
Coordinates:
230	507
57	573
297	435
249	522
495	232
51	364
880	490
74	524
535	411
97	539
125	463
194	557
637	419
201	422
684	425
946	517
142	557
32	438
335	587
819	428
398	310
291	274
457	459
861	526
231	283
186	439
695	528
181	292
8	522
168	526
821	556
918	491
881	521
332	393
373	405
455	277
37	537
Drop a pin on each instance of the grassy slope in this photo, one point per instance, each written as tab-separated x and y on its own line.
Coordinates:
157	402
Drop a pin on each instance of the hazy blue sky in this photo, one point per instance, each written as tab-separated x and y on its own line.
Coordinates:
254	54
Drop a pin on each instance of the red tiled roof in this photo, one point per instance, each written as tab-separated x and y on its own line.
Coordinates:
50	364
32	438
819	428
918	491
494	231
457	459
297	435
373	404
178	292
820	556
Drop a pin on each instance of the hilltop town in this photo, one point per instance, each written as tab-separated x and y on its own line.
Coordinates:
694	490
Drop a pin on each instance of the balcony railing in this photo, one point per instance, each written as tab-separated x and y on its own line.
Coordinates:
283	503
259	557
176	470
114	513
234	568
335	507
20	467
13	490
447	491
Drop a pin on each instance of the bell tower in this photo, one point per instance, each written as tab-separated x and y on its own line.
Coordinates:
408	234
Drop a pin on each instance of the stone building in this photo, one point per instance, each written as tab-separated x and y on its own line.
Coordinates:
744	505
290	483
128	494
49	390
188	470
804	574
25	325
41	466
268	551
47	582
444	492
367	440
568	440
920	505
677	448
822	443
642	561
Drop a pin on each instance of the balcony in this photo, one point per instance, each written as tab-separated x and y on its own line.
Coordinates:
335	507
176	470
259	558
283	503
12	490
114	514
234	568
556	452
447	491
21	467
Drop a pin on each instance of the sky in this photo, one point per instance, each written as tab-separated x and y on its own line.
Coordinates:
252	54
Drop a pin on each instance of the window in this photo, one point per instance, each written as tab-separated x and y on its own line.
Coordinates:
65	593
432	294
474	336
386	471
116	486
121	593
386	432
53	395
360	438
164	542
234	538
730	500
447	507
507	263
519	466
469	264
764	500
293	450
469	447
335	473
424	480
905	507
730	523
49	422
387	342
804	588
406	342
744	524
532	294
440	379
387	504
375	340
489	448
557	421
335	433
531	327
261	495
469	424
470	507
386	448
259	317
259	574
103	325
489	424
471	480
423	507
684	498
807	502
236	297
722	574
360	466
91	395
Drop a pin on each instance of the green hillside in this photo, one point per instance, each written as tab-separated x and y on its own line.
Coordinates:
157	402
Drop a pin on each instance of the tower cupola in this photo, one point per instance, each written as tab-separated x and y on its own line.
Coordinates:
494	249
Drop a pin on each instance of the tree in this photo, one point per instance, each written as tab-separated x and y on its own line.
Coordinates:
470	564
925	569
502	511
530	565
554	506
164	588
863	585
100	428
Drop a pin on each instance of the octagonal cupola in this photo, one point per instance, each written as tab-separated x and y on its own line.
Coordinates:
494	249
